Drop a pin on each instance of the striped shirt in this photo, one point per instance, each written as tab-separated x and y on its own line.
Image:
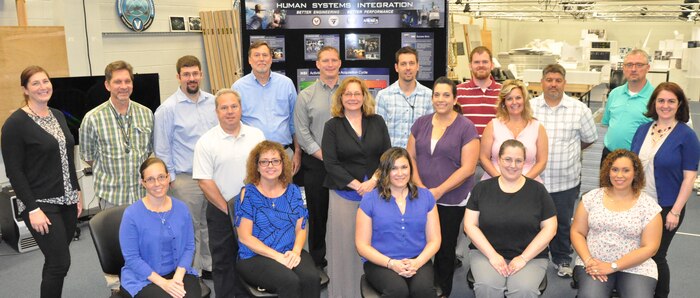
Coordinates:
567	125
103	140
478	105
400	112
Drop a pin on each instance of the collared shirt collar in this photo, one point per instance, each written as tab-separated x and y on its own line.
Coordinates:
565	102
223	134
181	96
324	85
269	78
128	107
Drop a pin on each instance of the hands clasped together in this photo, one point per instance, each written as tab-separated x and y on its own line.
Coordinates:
598	270
405	268
507	269
289	259
174	287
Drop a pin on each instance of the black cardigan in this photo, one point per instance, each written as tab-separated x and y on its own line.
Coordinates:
33	160
347	157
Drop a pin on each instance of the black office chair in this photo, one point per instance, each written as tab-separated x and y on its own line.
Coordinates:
470	282
256	291
104	229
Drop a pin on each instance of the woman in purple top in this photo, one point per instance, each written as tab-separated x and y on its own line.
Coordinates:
397	231
444	147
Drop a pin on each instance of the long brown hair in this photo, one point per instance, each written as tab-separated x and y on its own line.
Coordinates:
386	163
26	74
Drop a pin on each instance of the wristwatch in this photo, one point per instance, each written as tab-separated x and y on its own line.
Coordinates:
613	265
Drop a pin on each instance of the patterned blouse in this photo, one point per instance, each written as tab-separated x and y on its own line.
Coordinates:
612	234
50	124
274	219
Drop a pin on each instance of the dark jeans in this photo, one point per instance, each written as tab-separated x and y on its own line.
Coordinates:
450	227
663	287
627	285
390	284
192	289
560	246
54	245
605	153
224	252
317	204
300	281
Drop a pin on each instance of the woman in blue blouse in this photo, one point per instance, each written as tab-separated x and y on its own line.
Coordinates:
271	225
157	240
669	151
398	231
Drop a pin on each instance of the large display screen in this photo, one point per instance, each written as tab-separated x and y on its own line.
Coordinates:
375	78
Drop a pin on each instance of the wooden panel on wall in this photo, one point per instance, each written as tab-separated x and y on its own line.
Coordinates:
24	46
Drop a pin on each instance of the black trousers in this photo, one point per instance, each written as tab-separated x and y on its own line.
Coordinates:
300	281
54	245
663	286
224	252
192	289
390	284
450	227
605	153
317	204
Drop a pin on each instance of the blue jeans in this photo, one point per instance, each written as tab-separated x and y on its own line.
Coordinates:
627	285
560	246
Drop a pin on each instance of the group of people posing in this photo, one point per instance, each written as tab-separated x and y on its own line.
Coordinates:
390	183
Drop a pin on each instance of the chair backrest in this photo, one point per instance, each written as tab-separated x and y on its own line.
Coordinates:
232	213
104	228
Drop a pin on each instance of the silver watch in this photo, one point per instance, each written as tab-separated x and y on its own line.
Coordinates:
613	265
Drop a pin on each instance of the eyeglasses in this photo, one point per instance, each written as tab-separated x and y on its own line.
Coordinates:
160	179
509	161
188	75
633	65
350	94
267	163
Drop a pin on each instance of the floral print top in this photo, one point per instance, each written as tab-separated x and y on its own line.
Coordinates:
613	234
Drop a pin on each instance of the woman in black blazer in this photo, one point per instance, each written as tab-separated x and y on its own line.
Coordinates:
37	149
353	141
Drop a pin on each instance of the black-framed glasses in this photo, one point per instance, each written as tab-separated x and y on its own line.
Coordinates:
267	163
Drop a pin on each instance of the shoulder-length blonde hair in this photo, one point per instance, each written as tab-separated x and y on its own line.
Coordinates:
337	109
252	174
502	110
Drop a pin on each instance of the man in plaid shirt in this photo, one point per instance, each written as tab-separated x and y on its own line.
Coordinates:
570	129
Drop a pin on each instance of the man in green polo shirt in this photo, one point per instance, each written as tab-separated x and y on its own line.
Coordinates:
626	105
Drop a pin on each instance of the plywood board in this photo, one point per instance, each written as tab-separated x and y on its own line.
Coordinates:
24	46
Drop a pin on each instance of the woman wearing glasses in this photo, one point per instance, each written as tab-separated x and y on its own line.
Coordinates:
157	240
271	225
353	141
510	220
514	121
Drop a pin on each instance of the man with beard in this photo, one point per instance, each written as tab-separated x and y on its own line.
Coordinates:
478	96
405	100
179	122
627	104
312	110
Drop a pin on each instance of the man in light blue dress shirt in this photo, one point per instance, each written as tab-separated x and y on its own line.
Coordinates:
405	100
268	100
179	122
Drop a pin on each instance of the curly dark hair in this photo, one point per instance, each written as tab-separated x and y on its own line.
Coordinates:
386	163
252	174
638	181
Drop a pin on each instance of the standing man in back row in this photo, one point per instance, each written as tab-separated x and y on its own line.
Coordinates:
268	100
405	100
478	96
626	105
115	138
312	110
570	129
179	122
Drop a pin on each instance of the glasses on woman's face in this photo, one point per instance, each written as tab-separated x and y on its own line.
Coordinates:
352	95
509	161
271	162
152	180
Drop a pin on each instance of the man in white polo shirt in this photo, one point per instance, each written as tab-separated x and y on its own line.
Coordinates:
219	166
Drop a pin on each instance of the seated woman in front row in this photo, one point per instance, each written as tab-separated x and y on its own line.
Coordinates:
398	231
157	240
510	220
616	230
271	225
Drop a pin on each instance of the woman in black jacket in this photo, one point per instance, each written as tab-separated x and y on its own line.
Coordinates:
37	149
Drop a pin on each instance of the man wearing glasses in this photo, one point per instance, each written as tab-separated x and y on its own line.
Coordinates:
268	101
219	164
626	105
405	100
179	122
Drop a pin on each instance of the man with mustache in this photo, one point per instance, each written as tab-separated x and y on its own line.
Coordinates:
179	122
